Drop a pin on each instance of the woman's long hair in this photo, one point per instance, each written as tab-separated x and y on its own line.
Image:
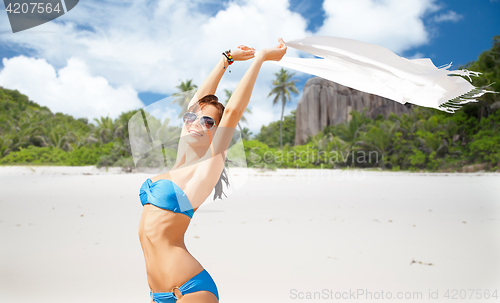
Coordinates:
214	101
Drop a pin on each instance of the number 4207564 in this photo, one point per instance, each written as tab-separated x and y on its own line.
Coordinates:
39	8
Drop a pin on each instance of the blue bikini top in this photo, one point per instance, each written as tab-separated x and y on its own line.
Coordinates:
167	195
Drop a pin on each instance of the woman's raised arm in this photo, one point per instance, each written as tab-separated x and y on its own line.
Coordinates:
209	86
239	99
211	165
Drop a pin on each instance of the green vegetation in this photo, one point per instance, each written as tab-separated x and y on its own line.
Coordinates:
424	139
282	86
488	64
186	92
32	134
270	134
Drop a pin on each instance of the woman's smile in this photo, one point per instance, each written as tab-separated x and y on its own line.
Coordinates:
195	133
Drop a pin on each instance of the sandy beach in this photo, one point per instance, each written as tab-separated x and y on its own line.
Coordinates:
69	234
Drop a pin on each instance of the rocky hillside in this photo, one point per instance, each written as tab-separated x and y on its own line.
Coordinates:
326	103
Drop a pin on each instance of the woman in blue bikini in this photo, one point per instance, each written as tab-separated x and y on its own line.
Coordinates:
171	199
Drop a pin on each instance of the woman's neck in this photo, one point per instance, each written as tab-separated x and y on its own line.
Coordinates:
191	156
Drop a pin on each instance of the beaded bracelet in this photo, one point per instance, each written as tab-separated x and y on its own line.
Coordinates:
229	58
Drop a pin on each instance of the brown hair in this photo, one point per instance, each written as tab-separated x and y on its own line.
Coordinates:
214	101
209	100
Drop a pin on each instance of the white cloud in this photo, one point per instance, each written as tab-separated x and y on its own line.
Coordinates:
448	16
72	90
394	24
152	45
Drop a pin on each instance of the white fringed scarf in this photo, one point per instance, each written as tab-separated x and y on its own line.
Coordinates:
376	70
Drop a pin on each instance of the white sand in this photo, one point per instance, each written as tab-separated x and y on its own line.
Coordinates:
69	234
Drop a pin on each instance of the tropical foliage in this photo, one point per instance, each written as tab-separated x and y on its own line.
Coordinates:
423	139
488	64
270	134
282	86
186	92
30	133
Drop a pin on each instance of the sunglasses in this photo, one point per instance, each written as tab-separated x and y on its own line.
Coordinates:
206	121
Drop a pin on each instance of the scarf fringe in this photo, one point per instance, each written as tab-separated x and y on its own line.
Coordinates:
456	103
465	72
452	105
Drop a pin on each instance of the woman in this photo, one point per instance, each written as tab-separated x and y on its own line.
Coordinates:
170	199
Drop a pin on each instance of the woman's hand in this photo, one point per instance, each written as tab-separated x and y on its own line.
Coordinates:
274	53
243	53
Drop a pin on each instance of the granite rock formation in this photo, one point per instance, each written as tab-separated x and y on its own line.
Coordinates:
326	103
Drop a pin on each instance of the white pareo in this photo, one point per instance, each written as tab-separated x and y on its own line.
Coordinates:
376	70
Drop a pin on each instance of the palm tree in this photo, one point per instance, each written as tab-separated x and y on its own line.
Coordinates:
5	144
229	93
121	130
187	90
282	87
379	138
26	131
349	131
105	129
246	133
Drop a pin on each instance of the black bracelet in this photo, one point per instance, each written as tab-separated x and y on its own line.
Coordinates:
229	58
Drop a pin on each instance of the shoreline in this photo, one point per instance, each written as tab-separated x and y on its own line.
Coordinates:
93	170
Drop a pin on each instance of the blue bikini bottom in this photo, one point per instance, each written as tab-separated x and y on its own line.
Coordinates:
202	281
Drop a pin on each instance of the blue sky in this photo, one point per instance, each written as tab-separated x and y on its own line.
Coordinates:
106	57
458	41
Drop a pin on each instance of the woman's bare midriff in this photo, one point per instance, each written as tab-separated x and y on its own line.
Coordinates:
168	262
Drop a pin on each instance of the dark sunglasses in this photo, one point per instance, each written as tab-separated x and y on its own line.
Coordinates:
206	121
